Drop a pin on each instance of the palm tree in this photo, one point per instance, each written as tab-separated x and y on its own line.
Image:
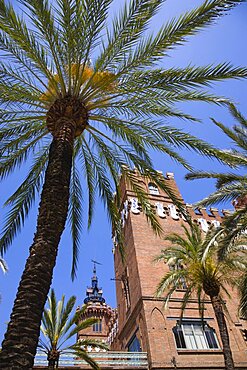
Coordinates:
196	264
58	327
230	186
79	96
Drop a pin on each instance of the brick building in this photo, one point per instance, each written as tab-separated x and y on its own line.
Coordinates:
141	324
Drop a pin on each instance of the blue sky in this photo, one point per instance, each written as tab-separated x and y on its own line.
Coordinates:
219	43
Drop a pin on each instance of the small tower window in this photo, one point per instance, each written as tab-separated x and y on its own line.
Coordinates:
97	327
153	189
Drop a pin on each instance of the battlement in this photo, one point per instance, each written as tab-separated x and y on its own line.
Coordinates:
162	205
149	186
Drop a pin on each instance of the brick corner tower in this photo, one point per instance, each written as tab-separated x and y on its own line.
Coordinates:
144	324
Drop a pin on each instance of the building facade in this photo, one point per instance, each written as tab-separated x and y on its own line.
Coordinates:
143	322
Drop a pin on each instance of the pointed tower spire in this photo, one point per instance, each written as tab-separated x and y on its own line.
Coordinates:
94	293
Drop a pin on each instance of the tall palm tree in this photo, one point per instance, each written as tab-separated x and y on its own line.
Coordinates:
58	327
78	96
196	263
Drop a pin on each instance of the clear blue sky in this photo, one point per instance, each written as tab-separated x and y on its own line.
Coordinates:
224	41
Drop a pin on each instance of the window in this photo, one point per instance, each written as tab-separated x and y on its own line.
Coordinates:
134	345
194	335
97	327
244	333
153	189
125	287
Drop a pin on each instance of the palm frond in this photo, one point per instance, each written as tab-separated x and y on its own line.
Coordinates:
237	139
15	27
183	79
176	32
3	265
75	215
127	28
42	17
23	199
243	298
79	352
224	194
59	325
238	115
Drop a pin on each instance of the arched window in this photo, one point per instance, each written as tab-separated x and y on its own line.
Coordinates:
153	188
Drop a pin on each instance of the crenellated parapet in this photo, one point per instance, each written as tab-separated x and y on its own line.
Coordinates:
99	310
165	210
163	206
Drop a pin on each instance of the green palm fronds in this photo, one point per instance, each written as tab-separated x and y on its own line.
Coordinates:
59	325
198	266
230	186
195	261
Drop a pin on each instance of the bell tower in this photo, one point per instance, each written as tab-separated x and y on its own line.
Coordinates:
144	324
96	307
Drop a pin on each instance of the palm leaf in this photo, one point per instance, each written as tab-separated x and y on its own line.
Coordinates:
75	216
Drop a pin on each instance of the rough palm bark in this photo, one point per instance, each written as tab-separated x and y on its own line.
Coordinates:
36	279
212	289
218	310
21	339
53	359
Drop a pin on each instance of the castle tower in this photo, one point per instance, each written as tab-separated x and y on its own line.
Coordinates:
144	324
97	308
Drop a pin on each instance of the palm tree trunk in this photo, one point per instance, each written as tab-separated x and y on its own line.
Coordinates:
51	364
21	338
53	358
218	310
